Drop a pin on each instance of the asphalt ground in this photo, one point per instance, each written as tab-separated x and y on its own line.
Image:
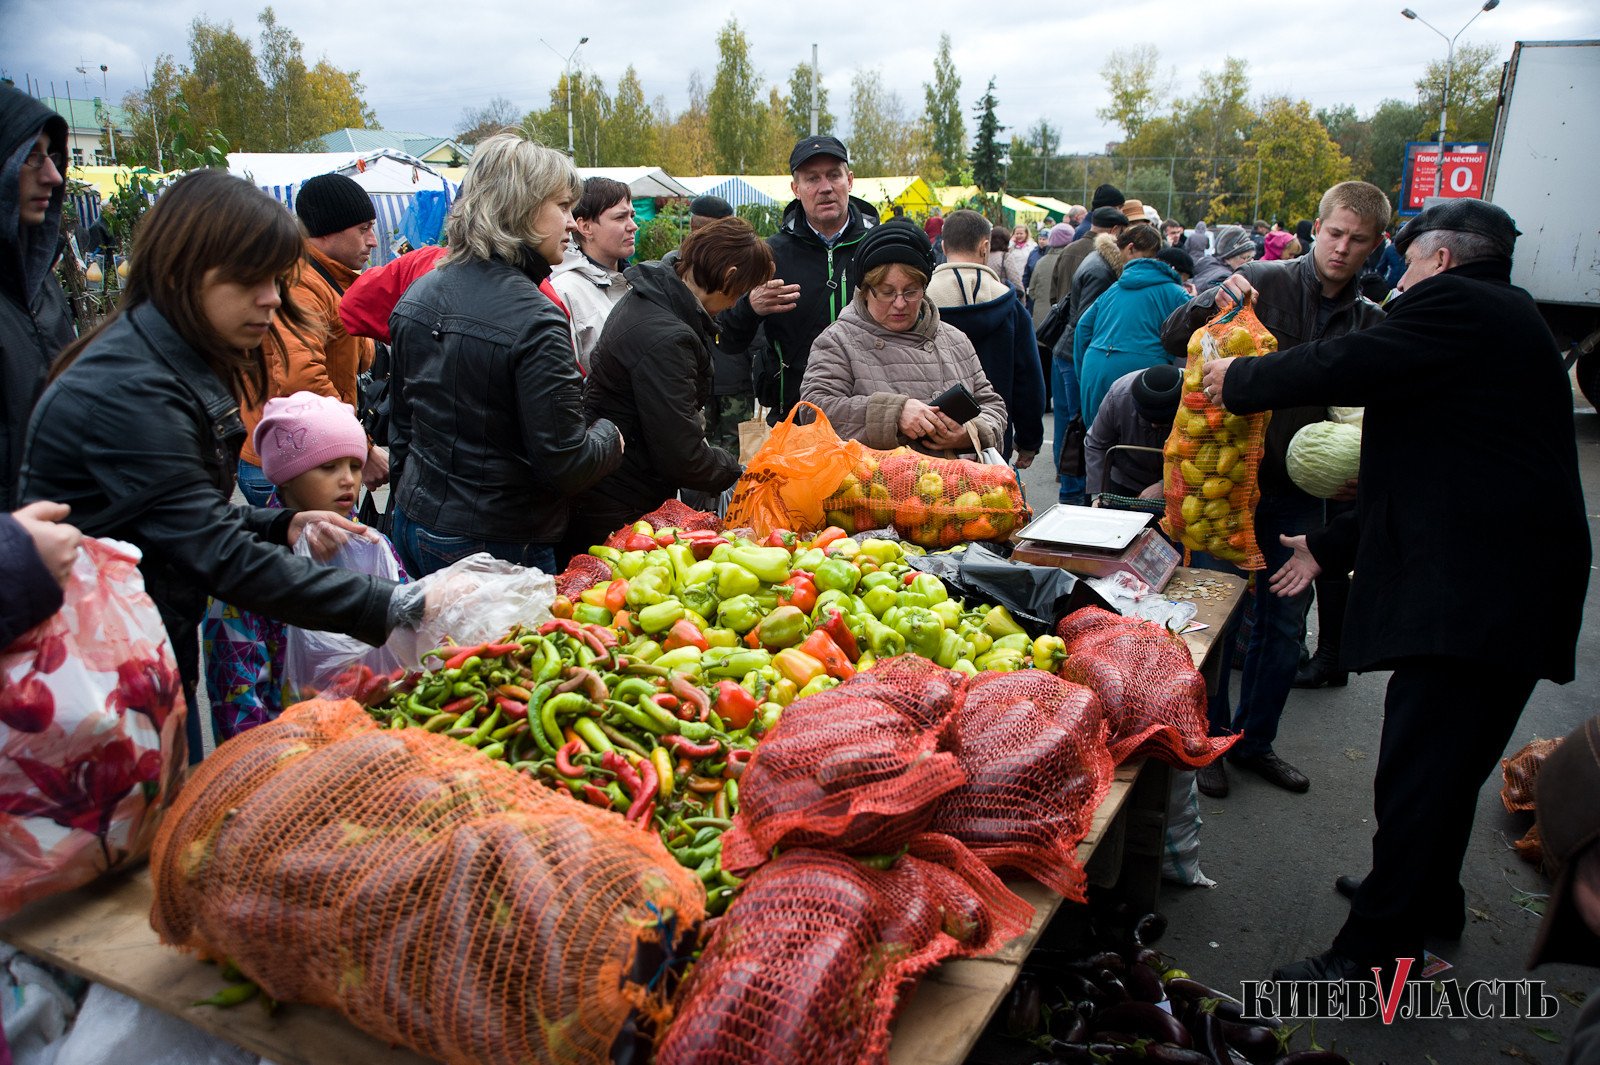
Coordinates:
1275	855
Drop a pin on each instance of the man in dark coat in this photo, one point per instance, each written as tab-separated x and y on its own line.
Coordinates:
1461	338
35	323
812	250
1104	196
36	553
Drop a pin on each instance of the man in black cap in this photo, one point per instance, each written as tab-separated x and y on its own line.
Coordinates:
338	218
1104	196
1137	412
1465	652
812	251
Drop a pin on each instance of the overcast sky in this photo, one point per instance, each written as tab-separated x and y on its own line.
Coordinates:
424	61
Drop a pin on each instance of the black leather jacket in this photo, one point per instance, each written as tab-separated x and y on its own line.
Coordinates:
142	440
488	428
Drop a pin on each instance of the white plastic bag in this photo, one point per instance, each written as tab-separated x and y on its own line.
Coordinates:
1180	852
113	1029
475	600
314	660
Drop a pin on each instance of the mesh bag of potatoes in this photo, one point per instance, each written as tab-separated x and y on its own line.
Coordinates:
1213	456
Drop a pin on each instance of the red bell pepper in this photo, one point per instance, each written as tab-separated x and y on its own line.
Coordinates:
684	633
836	627
639	542
828	536
616	595
820	645
735	706
779	538
802	593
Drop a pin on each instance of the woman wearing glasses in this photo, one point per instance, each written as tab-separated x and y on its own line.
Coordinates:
875	371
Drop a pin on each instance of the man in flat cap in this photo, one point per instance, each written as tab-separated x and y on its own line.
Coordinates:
1465	398
812	251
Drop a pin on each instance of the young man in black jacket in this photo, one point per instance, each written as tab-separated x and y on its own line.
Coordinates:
812	251
1465	654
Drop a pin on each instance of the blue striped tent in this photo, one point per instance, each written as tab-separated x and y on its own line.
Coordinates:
736	190
390	207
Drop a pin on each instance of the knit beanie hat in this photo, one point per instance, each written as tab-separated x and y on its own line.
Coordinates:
1060	236
300	432
898	241
330	203
1156	392
1178	259
1106	196
1231	241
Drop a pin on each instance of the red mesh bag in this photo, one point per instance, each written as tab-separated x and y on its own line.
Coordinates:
1153	697
582	573
1521	772
670	515
1530	848
931	501
434	897
811	960
856	769
1034	751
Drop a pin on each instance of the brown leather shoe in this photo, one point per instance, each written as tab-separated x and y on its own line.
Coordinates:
1274	770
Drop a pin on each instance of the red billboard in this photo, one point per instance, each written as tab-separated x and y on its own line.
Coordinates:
1465	167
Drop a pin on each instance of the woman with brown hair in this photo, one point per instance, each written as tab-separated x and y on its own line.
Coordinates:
652	376
139	430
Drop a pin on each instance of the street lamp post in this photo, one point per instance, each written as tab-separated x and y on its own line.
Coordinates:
1449	65
567	66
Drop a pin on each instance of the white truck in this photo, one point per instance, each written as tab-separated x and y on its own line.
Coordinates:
1542	170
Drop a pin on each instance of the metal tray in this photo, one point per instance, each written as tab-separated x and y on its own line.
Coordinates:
1095	527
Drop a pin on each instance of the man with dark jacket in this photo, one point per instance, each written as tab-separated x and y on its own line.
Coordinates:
1137	412
35	323
1107	195
1234	248
990	313
1299	300
812	250
1460	337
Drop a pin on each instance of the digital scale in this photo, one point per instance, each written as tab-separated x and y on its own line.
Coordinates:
1098	542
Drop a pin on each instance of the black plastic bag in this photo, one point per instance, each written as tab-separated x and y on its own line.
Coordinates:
1037	596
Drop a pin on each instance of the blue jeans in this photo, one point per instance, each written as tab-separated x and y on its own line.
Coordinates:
425	551
253	484
1273	653
1064	397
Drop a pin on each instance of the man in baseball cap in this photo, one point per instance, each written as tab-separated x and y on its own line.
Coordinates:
812	251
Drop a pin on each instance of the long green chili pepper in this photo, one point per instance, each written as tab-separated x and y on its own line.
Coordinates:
481	733
540	696
592	733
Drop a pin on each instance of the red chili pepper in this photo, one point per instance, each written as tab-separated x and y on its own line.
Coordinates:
617	595
665	701
499	650
911	577
596	797
685	690
571	628
689	749
646	793
639	542
603	633
828	536
459	706
456	660
836	627
564	764
586	680
820	645
735	706
684	633
627	776
737	761
667	538
647	818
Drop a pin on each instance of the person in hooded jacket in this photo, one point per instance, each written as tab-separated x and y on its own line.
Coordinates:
1234	248
652	375
591	277
35	322
811	253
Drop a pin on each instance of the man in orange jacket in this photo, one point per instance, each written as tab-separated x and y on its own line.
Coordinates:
324	358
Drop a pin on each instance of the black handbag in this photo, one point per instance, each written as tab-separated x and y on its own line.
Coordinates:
1072	464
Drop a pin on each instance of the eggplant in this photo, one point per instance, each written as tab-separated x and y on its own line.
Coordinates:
1113	990
1209	1040
1255	1041
1082	1053
1025	1008
1313	1057
1149	929
1143	983
1106	959
1067	1025
1227	1007
1170	1055
1151	957
1146	1021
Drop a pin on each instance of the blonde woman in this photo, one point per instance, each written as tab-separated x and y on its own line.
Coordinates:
488	427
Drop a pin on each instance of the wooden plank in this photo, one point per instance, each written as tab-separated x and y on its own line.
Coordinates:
1213	613
102	932
948	1010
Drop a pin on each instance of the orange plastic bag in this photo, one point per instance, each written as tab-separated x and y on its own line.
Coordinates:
433	896
785	485
930	501
1213	457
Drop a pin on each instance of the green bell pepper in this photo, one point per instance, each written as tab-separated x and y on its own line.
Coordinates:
1000	660
700	598
701	572
952	648
1048	653
820	683
981	641
844	547
683	560
881	551
963	665
880	639
630	564
949	611
609	555
879	599
741	613
737	664
685	659
922	629
735	580
649	587
722	637
1016	641
999	622
784	627
837	574
834	598
659	616
643	650
585	614
769	564
930	586
874	580
808	559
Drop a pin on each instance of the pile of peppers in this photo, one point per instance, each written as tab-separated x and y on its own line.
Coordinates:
649	693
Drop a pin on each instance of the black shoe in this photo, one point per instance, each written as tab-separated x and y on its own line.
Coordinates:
1321	672
1212	780
1274	770
1435	926
1329	965
1348	885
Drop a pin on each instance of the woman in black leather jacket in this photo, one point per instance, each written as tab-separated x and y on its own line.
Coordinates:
488	431
139	431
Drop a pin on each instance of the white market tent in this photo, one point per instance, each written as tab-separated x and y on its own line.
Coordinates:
736	190
391	178
642	181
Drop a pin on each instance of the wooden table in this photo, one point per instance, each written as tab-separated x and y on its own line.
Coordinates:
102	932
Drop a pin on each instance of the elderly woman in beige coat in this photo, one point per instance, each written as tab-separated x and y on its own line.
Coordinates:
876	370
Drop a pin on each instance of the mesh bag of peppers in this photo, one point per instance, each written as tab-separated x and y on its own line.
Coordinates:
433	896
1213	456
812	959
929	501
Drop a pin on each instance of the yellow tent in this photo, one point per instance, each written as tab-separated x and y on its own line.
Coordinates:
104	179
1013	210
1056	209
912	194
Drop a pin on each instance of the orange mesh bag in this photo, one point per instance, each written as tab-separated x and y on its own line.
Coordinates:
434	897
785	484
856	769
811	960
1034	750
1530	848
930	501
1212	456
1153	697
1521	772
669	515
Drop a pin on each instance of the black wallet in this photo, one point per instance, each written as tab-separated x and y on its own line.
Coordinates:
957	404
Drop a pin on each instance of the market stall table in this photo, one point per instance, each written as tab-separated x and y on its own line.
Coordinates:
102	932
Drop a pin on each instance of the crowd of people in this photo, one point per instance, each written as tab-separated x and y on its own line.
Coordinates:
542	391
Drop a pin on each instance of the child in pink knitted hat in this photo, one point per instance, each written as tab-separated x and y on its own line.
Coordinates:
312	449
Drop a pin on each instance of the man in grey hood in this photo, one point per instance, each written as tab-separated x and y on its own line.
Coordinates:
35	323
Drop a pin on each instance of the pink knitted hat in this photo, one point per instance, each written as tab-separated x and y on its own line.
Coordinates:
301	432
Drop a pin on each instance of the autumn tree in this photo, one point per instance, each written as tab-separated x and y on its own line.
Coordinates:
222	86
589	104
778	138
738	121
1474	94
883	139
477	123
686	146
148	111
1136	87
1294	159
797	106
942	117
986	157
629	136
